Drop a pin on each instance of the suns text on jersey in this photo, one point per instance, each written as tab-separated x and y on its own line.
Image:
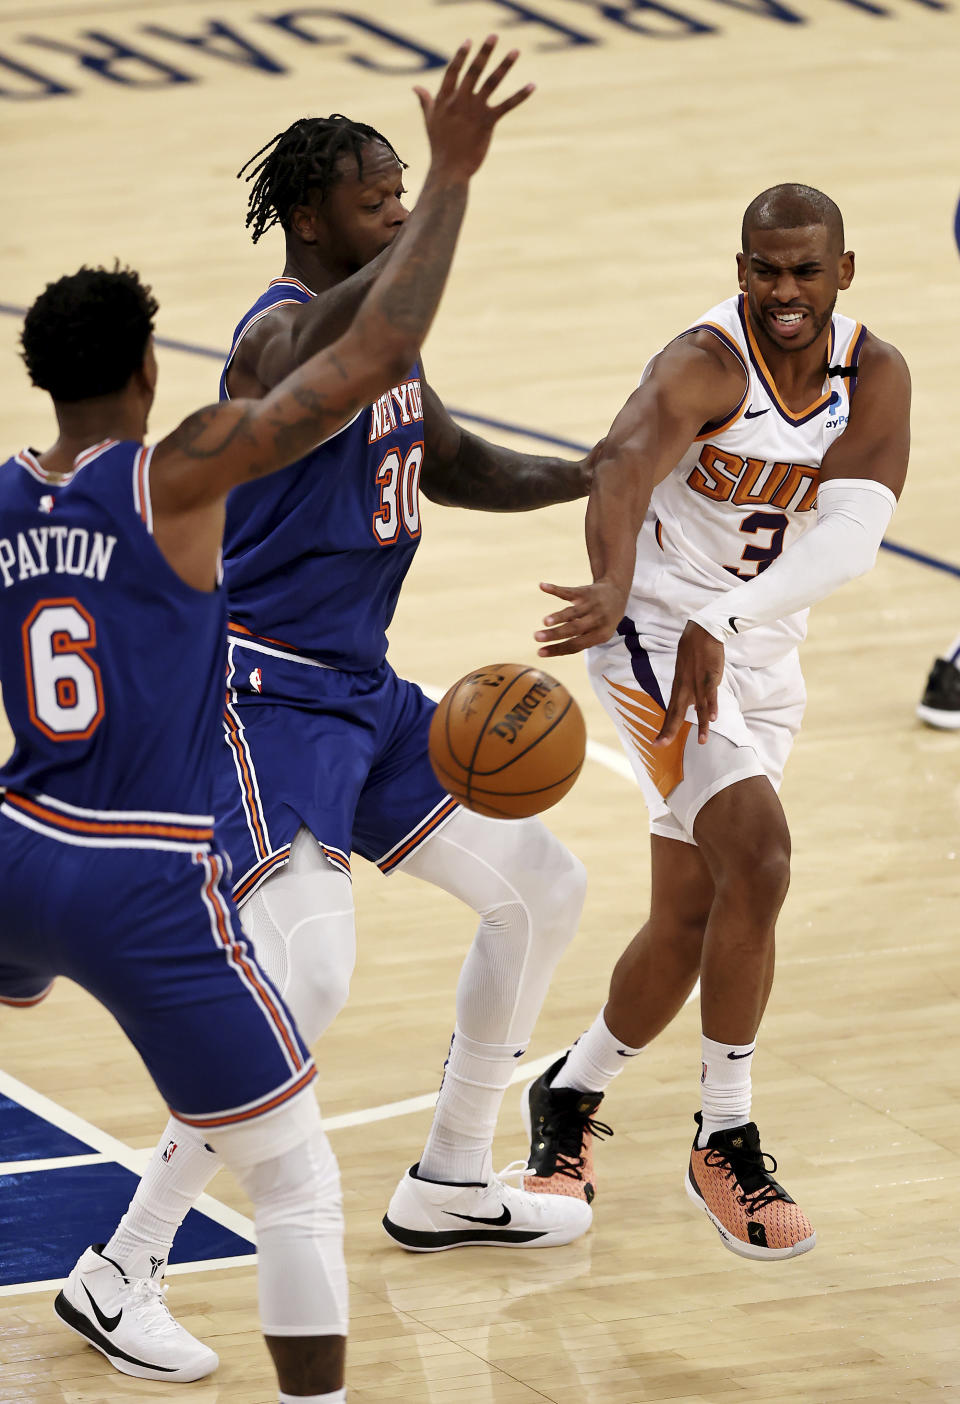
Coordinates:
754	482
55	550
401	405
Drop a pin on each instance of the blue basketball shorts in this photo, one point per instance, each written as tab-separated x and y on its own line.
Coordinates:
133	908
341	754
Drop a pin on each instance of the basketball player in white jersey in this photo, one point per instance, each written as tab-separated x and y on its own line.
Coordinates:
753	471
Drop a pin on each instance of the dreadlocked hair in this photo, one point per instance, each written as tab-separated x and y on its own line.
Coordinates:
299	160
87	333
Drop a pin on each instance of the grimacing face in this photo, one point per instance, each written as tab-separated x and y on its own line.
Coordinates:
359	217
791	278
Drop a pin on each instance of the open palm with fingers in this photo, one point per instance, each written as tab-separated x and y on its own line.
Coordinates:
461	118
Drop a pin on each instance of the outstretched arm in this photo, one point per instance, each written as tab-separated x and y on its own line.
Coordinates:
245	439
462	470
861	479
693	381
279	343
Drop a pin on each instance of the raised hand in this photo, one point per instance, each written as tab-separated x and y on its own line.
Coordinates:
460	119
696	678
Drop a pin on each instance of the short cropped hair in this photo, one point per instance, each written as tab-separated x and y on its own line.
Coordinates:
87	333
791	207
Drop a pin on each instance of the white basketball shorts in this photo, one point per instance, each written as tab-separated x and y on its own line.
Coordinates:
759	714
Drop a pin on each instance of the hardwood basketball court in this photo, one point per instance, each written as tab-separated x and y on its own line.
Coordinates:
606	219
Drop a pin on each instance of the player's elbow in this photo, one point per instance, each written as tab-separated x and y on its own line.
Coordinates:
858	545
394	354
386	353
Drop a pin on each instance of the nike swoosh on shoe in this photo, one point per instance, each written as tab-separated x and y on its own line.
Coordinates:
500	1222
109	1323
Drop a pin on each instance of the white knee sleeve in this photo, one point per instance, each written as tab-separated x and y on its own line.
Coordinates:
529	890
302	928
287	1167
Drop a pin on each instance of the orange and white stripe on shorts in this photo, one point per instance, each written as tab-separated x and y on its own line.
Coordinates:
239	749
108	828
642	718
29	1000
240	959
433	821
269	1102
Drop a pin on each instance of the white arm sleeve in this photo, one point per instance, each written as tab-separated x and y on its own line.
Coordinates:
852	516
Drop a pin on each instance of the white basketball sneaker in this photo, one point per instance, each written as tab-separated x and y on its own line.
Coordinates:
426	1216
128	1321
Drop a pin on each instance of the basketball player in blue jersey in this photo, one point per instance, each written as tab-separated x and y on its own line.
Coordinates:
112	651
753	471
326	748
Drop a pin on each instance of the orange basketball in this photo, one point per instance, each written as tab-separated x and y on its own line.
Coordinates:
507	740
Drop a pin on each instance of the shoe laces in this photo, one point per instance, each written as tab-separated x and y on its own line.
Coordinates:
756	1186
148	1303
515	1170
532	1203
570	1127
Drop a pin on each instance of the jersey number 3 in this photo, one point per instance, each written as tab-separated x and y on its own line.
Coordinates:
399	485
64	687
776	524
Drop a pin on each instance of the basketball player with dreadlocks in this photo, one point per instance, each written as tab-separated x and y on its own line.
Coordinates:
111	603
326	748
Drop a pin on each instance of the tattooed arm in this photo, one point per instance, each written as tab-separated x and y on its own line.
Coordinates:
462	470
290	334
240	440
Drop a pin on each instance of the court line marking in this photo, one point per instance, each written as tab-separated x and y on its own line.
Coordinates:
119	1153
62	1162
191	348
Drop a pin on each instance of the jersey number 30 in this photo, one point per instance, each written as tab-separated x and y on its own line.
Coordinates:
399	486
64	687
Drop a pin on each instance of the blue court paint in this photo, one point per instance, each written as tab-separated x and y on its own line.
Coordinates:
956	226
48	1217
26	1136
192	349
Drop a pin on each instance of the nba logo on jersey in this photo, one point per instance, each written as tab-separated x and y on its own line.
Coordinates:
256	680
167	1156
46	503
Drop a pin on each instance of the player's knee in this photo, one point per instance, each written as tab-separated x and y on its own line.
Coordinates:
297	1191
288	1169
552	881
566	892
321	954
757	871
302	927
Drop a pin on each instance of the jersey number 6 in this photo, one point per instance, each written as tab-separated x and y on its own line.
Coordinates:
399	495
64	687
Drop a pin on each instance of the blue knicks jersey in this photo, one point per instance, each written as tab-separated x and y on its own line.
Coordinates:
113	668
315	555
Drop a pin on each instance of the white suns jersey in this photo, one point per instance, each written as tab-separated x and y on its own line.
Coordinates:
744	491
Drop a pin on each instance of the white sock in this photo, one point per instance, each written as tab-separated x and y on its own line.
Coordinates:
595	1059
178	1172
339	1396
953	653
475	1077
725	1088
